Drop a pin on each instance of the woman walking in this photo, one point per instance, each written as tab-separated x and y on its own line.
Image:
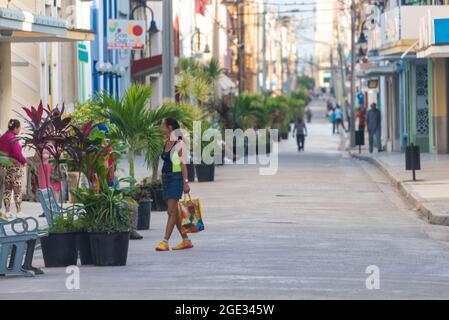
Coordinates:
174	182
14	172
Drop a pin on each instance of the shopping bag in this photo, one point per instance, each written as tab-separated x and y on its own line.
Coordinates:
190	215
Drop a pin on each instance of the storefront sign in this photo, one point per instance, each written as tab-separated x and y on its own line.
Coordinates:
373	84
83	53
126	34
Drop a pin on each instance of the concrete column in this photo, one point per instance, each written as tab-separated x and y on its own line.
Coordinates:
5	85
386	143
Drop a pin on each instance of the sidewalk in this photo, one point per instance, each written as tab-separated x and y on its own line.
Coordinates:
429	193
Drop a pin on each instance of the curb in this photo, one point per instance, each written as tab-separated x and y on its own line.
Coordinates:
433	217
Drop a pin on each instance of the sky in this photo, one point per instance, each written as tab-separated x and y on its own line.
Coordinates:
305	22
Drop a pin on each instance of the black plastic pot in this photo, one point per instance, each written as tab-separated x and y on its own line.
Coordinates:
60	249
109	248
205	172
190	172
267	148
158	203
144	215
223	156
84	249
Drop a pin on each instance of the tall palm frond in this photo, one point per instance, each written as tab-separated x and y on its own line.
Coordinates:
201	90
212	70
184	85
129	117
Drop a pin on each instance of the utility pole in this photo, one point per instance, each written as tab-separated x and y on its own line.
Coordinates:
353	56
216	33
331	62
264	50
168	53
241	45
280	24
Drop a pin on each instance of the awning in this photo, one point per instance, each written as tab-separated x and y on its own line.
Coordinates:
378	71
23	26
146	66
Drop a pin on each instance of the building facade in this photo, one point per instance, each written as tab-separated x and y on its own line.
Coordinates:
39	53
411	67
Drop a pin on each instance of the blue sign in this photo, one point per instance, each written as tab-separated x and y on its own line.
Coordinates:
441	29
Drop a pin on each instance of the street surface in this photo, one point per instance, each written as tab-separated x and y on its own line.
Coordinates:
308	232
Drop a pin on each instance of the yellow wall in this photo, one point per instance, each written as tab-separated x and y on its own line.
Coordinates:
440	105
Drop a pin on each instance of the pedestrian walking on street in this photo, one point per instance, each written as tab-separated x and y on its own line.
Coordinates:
339	118
13	173
362	119
332	119
329	107
301	132
309	115
373	121
174	182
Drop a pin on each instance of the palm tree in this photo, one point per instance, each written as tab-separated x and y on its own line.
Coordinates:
248	111
212	71
136	123
195	83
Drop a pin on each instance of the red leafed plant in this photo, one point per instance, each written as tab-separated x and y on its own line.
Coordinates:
46	132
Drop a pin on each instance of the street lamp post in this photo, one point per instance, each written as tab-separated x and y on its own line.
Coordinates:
353	56
168	52
196	47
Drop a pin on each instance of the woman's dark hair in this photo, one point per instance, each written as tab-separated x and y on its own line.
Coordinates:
173	123
13	124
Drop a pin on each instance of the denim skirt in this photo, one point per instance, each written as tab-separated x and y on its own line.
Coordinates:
172	185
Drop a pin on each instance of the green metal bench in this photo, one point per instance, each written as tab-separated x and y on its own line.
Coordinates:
17	243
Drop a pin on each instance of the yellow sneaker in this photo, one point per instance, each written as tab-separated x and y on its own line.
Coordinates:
185	244
162	246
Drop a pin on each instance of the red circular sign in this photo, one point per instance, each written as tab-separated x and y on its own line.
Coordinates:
137	30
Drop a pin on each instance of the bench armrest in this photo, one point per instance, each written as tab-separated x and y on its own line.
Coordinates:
21	226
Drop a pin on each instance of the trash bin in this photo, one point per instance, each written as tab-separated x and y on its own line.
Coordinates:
412	159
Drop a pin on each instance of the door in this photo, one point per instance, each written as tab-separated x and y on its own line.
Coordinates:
422	107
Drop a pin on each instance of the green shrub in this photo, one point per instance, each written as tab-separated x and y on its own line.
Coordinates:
88	111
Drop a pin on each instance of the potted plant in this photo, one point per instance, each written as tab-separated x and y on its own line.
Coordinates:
190	172
83	241
59	248
206	171
154	187
142	196
108	219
